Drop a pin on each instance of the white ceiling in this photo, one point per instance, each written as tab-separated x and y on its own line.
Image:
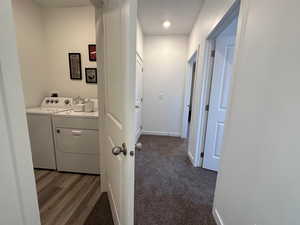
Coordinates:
181	13
63	3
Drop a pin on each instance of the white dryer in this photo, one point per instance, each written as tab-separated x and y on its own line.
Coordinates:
77	141
41	132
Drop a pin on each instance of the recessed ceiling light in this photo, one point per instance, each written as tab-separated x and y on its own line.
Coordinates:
166	24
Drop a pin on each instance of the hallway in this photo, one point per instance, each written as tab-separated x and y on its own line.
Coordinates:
168	189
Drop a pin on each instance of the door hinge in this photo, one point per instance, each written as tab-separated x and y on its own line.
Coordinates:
213	53
207	108
142	69
202	155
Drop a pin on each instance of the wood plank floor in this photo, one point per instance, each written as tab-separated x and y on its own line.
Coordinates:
66	198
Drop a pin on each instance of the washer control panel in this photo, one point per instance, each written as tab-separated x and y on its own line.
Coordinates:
57	102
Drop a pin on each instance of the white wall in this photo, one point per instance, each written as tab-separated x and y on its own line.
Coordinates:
69	30
164	74
18	196
139	40
264	118
210	14
31	49
258	180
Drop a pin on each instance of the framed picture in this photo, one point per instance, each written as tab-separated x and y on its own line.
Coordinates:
92	53
75	66
91	75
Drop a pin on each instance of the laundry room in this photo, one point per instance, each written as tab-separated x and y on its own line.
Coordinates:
56	44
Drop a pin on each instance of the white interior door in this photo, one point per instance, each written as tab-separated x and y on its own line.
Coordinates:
219	99
139	97
119	41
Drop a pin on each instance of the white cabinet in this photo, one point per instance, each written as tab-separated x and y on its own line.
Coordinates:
76	144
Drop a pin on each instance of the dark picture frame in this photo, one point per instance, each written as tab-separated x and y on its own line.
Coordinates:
75	66
92	53
91	75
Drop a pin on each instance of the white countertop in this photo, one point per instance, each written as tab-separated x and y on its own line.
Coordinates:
71	113
41	110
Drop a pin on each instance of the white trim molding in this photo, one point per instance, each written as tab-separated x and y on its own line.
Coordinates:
112	202
158	133
217	217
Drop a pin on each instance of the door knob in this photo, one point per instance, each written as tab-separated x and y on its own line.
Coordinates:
117	150
138	146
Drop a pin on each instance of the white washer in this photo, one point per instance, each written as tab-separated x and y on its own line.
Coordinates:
41	133
77	141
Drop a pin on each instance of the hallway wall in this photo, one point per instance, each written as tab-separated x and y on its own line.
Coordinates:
164	73
262	184
258	180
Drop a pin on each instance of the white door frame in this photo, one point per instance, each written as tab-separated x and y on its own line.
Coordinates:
140	61
101	92
240	6
187	93
18	196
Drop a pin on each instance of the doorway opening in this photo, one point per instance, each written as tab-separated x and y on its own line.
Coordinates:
168	183
189	93
61	101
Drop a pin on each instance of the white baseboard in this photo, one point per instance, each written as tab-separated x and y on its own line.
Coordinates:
113	206
158	133
217	217
192	159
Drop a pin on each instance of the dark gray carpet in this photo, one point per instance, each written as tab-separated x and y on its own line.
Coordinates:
168	189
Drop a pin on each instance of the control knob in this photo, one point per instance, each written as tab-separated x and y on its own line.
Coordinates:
67	101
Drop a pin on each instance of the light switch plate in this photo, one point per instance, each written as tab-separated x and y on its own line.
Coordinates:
161	96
